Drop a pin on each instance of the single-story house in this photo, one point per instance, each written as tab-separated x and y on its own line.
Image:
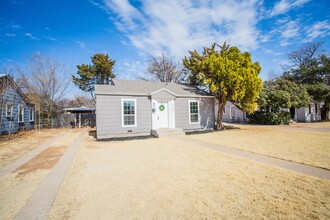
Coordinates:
231	113
137	107
16	111
312	113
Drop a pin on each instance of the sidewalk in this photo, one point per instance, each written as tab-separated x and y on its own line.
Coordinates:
25	158
39	204
300	168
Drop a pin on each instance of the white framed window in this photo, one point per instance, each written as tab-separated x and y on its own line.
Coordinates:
193	112
31	114
128	108
9	110
20	113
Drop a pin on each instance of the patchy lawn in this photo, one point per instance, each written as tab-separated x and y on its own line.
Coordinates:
169	179
22	143
302	146
17	187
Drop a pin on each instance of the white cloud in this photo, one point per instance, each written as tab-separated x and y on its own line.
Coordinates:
50	38
131	69
284	6
81	44
289	32
29	35
176	26
271	52
318	29
15	26
10	35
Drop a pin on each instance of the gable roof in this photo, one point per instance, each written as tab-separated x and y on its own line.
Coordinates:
16	87
147	88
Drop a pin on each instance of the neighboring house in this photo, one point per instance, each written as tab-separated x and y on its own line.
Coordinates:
16	112
311	113
136	107
231	113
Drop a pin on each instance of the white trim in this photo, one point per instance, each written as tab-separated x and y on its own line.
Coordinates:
199	117
6	110
122	113
19	112
171	113
11	111
31	109
163	89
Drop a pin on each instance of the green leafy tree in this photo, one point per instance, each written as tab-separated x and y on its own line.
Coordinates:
227	73
281	93
311	68
100	72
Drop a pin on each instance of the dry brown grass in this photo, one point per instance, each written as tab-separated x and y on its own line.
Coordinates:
17	187
168	179
45	160
302	146
23	143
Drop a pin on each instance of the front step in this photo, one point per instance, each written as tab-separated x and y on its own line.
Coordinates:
163	132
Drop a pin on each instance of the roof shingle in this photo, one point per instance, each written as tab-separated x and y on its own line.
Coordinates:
145	88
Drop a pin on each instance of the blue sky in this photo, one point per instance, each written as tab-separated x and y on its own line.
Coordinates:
71	31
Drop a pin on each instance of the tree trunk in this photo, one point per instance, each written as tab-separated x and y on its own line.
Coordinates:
221	105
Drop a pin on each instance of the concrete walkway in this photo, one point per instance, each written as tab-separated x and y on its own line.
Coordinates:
297	167
316	129
25	158
39	204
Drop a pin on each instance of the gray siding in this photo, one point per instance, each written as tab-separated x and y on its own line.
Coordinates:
228	115
206	107
109	115
162	96
11	124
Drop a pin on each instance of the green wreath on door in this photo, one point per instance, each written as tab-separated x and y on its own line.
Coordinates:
161	107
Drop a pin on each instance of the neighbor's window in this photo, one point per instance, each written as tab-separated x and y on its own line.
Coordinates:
31	114
20	113
316	108
310	109
193	111
129	112
9	110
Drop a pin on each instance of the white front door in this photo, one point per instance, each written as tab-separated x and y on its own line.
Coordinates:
162	115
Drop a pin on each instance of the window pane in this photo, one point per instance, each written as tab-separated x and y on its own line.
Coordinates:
129	120
129	112
129	107
194	112
194	118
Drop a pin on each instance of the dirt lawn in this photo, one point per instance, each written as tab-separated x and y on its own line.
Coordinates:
306	143
23	143
169	179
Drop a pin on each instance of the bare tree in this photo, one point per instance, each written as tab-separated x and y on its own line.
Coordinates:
306	55
164	69
45	84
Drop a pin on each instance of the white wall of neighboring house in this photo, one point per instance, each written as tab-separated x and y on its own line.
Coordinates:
231	113
309	114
